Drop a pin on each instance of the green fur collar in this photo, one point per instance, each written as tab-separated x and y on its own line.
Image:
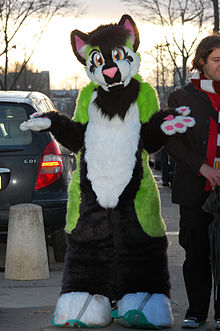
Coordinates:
147	102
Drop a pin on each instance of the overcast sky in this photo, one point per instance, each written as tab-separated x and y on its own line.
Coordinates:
105	8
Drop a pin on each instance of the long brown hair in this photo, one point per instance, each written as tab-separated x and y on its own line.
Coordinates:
205	47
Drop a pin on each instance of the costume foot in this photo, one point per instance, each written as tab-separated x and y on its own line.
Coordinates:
143	310
83	310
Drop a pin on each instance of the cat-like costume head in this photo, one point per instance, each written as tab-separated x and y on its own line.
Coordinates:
109	53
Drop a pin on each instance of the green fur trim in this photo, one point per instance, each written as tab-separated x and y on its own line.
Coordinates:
147	200
139	55
138	78
89	48
147	203
74	199
129	44
147	101
81	114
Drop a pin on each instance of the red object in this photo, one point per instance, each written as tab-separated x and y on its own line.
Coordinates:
51	166
213	132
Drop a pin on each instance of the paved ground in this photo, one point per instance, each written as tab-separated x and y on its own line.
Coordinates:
29	305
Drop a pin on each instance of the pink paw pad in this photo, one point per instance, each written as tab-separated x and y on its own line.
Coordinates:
180	123
169	118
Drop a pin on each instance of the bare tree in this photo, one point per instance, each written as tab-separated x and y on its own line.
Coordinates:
164	74
17	14
216	15
175	16
28	78
162	77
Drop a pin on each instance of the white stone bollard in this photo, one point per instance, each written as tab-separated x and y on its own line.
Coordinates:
26	252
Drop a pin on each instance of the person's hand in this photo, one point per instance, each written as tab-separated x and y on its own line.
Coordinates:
212	174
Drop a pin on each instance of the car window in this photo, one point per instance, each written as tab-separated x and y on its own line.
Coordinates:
11	116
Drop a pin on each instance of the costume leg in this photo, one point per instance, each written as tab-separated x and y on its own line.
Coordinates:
142	273
87	262
140	260
193	238
87	272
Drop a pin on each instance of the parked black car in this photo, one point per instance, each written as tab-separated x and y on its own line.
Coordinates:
33	167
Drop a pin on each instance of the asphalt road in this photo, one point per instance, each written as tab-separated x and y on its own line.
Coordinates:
29	305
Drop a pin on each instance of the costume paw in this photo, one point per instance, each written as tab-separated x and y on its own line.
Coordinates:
83	310
180	123
183	110
143	310
36	123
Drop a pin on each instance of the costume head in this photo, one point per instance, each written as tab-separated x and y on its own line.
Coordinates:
109	53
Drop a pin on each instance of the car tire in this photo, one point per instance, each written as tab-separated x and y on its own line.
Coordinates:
59	245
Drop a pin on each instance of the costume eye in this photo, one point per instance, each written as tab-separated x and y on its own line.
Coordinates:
117	54
98	59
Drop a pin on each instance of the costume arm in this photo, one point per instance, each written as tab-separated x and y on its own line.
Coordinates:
148	106
68	133
179	151
152	136
157	126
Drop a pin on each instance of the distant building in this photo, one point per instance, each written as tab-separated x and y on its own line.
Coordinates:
28	80
64	101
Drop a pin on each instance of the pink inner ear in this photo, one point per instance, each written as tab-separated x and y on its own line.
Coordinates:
129	27
79	43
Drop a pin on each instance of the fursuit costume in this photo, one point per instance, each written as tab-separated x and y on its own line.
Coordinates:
116	242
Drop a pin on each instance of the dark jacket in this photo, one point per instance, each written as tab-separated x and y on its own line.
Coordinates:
189	149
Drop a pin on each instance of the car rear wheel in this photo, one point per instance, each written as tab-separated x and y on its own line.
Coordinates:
59	245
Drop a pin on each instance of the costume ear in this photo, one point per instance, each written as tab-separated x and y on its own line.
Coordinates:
78	42
129	25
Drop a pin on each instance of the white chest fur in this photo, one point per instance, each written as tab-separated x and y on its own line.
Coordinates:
111	146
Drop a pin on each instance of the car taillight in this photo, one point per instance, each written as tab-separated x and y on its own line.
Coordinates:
51	166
